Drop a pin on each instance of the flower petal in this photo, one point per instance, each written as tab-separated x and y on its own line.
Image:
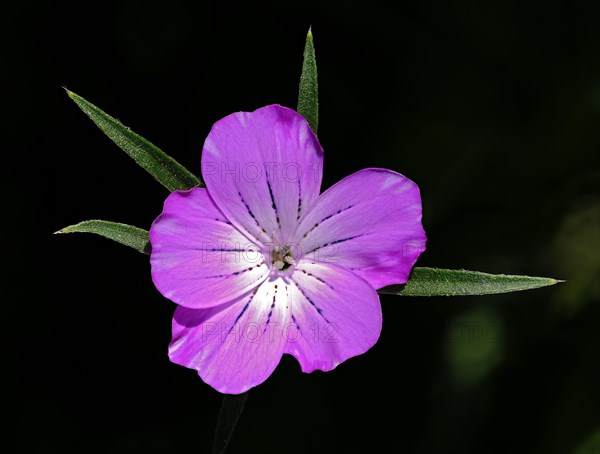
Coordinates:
263	169
236	346
335	315
198	258
370	223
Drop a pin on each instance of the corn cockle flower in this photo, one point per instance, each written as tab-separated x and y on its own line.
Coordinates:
260	264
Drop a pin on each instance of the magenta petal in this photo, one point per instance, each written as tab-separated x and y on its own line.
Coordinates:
335	315
263	170
236	346
370	223
198	258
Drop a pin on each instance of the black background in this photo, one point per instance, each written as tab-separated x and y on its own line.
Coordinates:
492	107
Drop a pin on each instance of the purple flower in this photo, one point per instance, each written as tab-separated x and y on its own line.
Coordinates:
260	264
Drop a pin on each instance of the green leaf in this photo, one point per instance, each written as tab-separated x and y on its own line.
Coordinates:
308	96
162	167
440	282
125	234
231	409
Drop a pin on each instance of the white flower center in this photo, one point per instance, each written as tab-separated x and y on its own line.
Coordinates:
282	257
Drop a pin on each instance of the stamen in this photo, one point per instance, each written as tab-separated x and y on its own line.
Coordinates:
282	257
285	249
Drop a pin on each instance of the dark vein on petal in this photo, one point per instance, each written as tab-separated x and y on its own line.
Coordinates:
223	220
237	319
216	249
331	243
249	235
251	213
341	210
287	298
316	277
317	308
273	205
271	309
295	322
299	201
287	295
226	276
